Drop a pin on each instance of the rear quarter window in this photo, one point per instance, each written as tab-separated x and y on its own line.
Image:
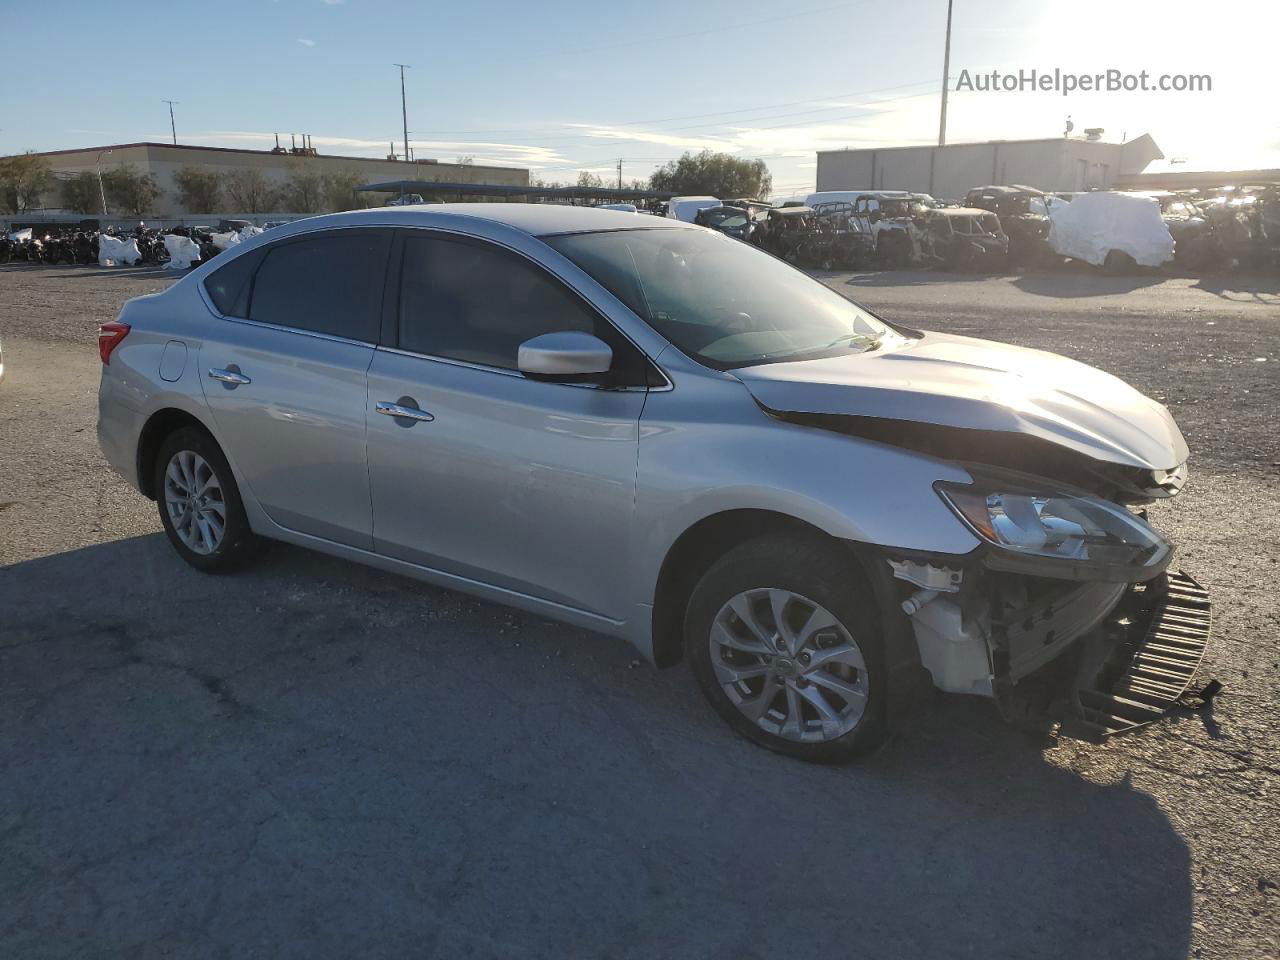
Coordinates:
228	286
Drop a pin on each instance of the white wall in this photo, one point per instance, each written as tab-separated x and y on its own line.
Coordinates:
1046	164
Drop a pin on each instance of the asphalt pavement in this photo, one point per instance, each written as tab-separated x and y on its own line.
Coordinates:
315	760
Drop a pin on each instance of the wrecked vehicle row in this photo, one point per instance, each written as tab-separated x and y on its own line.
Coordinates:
1027	228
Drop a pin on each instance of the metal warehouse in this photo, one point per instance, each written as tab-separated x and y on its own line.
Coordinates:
1055	164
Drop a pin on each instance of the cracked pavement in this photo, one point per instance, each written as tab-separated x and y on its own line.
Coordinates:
313	759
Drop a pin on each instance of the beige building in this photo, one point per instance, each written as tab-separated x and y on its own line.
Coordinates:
1066	164
163	160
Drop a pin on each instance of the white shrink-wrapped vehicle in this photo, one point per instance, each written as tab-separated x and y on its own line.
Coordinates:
183	251
686	208
113	252
1110	229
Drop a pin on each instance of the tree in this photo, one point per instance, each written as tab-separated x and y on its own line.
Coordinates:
80	192
340	191
716	174
199	190
248	191
464	161
24	178
588	179
129	191
304	188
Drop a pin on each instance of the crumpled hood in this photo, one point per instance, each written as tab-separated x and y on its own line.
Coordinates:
981	385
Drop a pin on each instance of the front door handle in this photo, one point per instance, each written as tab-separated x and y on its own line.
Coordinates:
402	411
233	377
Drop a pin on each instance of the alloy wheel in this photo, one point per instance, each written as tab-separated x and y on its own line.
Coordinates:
789	665
193	499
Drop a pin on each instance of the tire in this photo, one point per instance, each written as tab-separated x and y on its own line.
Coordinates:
811	578
192	452
1118	263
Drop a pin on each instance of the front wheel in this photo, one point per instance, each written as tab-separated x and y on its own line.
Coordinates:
785	640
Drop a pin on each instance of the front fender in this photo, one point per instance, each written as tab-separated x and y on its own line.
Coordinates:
731	455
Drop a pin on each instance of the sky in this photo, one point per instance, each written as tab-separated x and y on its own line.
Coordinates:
560	86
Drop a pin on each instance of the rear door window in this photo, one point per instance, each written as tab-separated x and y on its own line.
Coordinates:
328	283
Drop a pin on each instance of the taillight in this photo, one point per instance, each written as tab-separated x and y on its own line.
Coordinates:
110	336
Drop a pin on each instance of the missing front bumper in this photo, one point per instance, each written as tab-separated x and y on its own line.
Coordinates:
1146	656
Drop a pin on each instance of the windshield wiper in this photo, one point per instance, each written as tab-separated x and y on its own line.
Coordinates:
852	338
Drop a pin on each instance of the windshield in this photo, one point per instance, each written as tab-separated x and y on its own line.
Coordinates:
722	302
729	217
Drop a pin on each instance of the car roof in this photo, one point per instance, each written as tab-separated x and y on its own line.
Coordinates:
535	219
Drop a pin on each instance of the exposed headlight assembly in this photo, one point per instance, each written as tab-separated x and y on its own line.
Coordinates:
1056	534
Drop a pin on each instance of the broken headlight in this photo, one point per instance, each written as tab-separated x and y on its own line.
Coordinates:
1066	535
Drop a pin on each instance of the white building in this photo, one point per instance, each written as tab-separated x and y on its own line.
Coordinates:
1057	164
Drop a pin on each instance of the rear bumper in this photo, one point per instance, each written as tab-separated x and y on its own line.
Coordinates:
119	427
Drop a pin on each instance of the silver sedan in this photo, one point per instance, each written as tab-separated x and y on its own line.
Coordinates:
642	427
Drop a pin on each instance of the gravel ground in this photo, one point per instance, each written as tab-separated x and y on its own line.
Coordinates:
317	760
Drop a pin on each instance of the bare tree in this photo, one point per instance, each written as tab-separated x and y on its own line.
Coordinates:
24	178
340	191
588	179
304	188
129	191
249	191
80	192
199	189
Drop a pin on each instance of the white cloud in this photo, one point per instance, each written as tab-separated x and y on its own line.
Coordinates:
305	42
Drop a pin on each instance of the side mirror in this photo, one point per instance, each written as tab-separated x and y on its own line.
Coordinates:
569	353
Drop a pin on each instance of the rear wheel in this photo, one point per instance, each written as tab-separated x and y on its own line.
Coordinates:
200	504
784	638
1117	263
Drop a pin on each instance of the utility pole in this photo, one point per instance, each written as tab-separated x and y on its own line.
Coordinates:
946	69
620	173
102	193
172	128
404	113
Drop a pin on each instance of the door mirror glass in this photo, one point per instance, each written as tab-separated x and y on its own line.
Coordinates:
568	353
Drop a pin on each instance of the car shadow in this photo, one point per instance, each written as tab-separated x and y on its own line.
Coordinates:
1072	284
910	278
1262	289
320	756
80	271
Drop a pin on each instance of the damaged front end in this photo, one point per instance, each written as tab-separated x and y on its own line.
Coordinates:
1066	615
1065	612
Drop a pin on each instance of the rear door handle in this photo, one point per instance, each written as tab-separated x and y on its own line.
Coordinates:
233	377
402	412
